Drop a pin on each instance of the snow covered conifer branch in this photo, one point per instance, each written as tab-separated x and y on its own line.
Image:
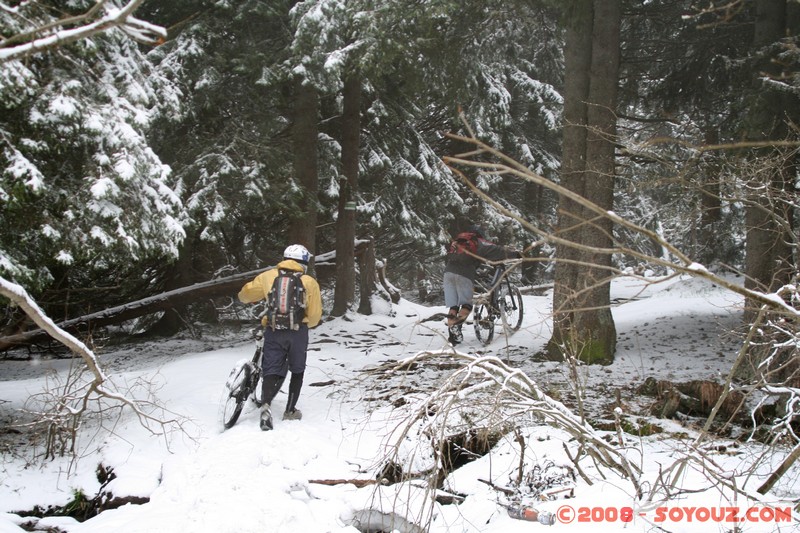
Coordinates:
101	17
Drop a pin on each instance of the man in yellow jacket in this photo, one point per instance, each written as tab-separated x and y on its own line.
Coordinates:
285	346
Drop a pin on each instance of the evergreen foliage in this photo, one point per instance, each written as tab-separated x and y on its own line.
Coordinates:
419	66
83	194
139	169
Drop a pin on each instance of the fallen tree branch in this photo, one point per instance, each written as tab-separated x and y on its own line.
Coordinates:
69	405
227	286
787	463
145	306
517	395
358	483
20	297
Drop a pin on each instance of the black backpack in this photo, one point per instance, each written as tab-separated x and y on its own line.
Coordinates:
286	301
464	243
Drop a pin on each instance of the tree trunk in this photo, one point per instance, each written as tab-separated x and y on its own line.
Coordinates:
367	268
710	205
583	324
595	325
769	261
344	293
179	275
303	226
768	251
535	200
578	59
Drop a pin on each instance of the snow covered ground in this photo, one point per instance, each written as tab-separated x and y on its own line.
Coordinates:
204	479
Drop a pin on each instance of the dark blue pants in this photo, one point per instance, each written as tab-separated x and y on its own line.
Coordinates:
284	351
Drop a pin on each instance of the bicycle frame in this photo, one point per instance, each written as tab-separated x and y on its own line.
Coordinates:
255	377
243	383
501	302
499	277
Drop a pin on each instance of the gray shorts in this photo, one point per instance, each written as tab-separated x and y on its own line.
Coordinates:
457	290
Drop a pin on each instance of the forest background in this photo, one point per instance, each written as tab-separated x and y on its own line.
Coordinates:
129	169
146	147
196	139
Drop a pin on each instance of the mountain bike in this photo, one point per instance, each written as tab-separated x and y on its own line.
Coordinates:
501	303
244	382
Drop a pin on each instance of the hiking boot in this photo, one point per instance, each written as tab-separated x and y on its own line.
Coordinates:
266	418
451	319
294	414
455	335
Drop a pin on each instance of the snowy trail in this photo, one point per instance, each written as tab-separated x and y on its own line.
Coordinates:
243	480
246	480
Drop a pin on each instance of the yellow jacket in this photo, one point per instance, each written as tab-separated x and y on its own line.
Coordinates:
259	288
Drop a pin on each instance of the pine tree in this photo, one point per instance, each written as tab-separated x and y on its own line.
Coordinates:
83	194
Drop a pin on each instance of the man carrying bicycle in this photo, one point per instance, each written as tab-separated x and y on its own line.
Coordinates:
464	255
294	305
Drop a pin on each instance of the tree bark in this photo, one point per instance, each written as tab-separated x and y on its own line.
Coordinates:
768	250
583	324
368	271
578	58
303	226
344	293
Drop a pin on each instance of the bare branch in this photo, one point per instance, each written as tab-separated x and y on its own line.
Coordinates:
683	264
20	297
62	411
515	395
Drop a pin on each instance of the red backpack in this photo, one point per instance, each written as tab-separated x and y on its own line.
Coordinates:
464	243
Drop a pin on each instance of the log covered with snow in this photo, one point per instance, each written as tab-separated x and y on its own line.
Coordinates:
229	285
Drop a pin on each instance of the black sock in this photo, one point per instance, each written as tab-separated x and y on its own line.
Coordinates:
270	386
295	384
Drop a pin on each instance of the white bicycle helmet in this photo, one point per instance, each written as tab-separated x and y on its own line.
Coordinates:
297	252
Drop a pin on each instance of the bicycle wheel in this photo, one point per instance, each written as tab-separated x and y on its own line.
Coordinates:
483	320
509	300
238	388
